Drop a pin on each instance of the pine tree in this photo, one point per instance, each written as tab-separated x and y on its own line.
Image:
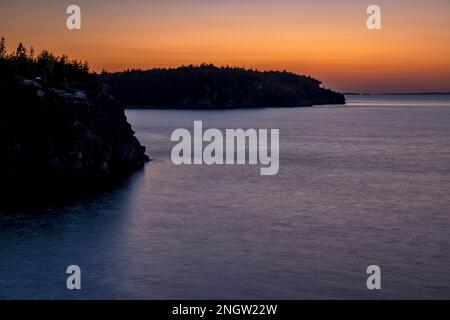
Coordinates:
32	53
85	67
21	52
2	48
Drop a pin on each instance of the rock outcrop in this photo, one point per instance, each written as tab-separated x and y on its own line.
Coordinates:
63	135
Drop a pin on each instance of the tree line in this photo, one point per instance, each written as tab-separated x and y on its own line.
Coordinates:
209	86
53	70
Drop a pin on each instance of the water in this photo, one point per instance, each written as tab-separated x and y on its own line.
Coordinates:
358	185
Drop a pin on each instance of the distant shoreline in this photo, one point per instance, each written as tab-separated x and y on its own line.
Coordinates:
207	86
394	94
219	108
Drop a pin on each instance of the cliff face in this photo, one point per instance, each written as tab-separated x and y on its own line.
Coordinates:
63	134
207	86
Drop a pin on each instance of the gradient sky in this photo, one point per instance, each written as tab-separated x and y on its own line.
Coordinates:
325	39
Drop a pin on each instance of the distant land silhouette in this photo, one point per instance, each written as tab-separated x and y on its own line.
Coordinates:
392	93
208	86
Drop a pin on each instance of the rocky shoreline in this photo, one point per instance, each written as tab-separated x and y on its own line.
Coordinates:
51	134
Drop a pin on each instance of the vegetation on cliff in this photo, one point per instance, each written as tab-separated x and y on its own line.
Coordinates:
57	121
208	86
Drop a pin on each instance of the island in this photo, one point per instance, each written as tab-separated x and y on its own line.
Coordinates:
209	87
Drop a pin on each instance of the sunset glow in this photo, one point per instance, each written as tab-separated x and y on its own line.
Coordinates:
329	41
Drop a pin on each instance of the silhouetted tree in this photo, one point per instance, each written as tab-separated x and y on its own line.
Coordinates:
56	71
32	53
21	52
2	48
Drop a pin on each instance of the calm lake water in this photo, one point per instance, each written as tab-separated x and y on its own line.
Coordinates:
362	184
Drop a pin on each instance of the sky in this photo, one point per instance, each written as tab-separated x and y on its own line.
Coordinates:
328	40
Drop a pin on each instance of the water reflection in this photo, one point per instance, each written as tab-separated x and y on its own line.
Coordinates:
37	244
357	186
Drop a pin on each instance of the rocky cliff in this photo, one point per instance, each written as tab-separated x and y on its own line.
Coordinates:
66	135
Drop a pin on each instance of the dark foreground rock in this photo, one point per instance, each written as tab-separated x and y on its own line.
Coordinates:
210	87
62	137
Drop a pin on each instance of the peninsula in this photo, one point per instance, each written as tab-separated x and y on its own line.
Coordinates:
209	87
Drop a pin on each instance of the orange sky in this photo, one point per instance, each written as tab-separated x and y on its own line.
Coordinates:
325	39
